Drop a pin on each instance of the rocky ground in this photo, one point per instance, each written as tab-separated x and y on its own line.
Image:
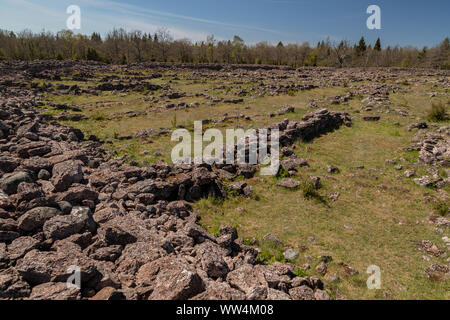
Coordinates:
67	199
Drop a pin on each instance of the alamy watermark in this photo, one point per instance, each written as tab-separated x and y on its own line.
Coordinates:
374	20
241	147
374	281
74	20
74	280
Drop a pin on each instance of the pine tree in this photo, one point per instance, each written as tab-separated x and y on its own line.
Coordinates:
124	59
59	56
92	54
445	45
96	37
362	47
377	46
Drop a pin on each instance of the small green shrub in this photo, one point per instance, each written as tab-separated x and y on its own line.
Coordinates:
301	273
270	254
263	257
283	173
279	256
441	207
98	116
231	193
438	112
308	190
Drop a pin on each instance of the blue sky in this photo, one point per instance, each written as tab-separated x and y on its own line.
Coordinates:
403	22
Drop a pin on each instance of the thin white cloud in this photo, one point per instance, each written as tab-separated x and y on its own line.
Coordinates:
120	7
104	15
98	20
33	6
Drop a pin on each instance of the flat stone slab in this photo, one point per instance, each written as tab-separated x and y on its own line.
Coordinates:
288	183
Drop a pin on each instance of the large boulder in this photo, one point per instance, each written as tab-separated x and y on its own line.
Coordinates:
28	191
171	278
38	267
63	226
32	149
78	193
127	229
288	183
244	278
291	164
12	285
21	246
211	259
161	189
136	255
10	183
35	218
270	276
8	164
36	164
302	293
55	291
66	173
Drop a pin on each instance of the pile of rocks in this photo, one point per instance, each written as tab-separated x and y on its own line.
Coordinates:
312	125
435	147
434	152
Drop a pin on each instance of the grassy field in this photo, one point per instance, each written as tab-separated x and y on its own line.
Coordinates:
379	214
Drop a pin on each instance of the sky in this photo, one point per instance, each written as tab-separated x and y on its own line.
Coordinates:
403	22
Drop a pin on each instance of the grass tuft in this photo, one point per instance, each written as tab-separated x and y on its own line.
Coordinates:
438	113
441	207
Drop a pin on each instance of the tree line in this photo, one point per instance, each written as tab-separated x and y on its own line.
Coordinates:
123	47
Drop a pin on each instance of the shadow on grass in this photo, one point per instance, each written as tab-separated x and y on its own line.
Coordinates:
309	192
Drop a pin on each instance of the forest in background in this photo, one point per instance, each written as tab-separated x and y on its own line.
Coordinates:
122	47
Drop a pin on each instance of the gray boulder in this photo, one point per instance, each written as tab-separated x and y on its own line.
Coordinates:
10	183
